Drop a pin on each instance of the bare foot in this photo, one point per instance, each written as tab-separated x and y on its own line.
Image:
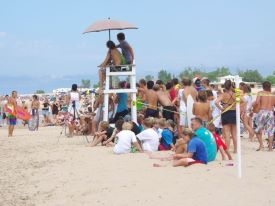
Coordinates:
157	165
150	155
260	149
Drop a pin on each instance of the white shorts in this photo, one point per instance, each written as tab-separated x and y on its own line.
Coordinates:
183	119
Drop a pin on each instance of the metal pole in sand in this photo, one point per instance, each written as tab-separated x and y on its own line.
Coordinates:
238	126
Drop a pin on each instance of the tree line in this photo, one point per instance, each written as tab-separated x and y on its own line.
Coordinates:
248	75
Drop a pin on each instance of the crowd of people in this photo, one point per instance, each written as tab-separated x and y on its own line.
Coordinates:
162	122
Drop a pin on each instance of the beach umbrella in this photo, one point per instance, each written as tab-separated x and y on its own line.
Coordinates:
108	25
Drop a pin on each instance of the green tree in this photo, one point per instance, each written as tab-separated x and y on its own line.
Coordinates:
190	73
271	78
219	72
149	77
86	83
96	85
250	75
164	76
40	91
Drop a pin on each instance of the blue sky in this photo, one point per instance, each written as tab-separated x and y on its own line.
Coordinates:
43	39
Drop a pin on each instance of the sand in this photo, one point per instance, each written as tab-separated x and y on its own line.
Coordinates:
37	170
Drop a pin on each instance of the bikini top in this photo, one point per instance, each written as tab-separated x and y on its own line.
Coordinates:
229	102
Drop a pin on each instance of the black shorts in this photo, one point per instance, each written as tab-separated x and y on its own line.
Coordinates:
229	117
120	114
168	112
151	113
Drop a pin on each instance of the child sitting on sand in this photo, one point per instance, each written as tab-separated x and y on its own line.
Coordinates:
159	125
202	109
125	140
104	132
196	151
108	142
220	144
140	120
167	136
149	137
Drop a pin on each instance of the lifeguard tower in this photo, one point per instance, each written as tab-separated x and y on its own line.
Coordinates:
125	70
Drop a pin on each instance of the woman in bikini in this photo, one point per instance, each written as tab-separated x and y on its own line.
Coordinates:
114	57
224	101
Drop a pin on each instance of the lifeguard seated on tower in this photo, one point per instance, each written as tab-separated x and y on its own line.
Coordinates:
113	59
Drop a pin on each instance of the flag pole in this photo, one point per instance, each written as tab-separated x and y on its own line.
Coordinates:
238	125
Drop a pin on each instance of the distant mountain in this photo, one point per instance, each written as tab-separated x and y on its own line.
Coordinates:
28	84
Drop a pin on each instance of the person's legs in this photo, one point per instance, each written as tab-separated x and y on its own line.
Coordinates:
12	123
110	144
45	119
259	137
223	154
247	126
270	143
153	156
180	129
180	146
228	154
181	162
226	134
250	123
11	128
94	127
71	127
98	139
94	139
102	77
234	136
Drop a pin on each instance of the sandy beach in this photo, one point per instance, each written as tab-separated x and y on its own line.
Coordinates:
37	170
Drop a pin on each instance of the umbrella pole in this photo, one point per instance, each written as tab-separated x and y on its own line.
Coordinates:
109	34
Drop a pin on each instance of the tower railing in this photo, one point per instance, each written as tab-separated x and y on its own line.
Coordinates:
120	70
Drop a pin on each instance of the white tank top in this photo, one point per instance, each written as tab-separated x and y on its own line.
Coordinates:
74	96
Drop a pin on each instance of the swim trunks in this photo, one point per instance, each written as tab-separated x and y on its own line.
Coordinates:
265	122
151	113
12	120
168	112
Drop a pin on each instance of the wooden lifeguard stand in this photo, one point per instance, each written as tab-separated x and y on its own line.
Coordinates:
126	70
